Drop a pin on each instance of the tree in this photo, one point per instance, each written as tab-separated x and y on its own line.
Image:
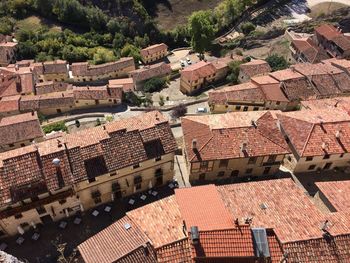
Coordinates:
154	84
179	111
232	76
118	41
247	27
202	31
103	55
131	51
277	62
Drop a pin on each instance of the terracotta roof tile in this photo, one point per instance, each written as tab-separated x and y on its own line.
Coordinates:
205	210
102	247
337	193
84	69
198	70
153	49
10	103
255	67
127	84
97	93
310	131
177	252
150	71
327	31
221	136
311	52
19	128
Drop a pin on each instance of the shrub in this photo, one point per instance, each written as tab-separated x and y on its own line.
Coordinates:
154	84
161	101
77	123
58	126
179	111
247	27
277	62
109	118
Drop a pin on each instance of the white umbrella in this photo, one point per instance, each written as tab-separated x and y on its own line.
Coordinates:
150	185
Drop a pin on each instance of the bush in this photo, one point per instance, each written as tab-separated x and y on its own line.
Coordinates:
109	118
58	126
233	73
132	99
161	101
179	111
277	62
77	123
154	84
247	28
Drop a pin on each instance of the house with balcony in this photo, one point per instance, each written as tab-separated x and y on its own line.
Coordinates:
317	138
237	144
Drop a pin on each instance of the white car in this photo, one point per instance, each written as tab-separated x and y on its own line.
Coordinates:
182	63
189	62
201	110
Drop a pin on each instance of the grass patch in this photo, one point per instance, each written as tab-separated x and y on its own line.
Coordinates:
58	126
35	23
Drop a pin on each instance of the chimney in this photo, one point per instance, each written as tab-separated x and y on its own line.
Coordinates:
194	235
254	124
338	135
59	143
194	144
324	145
244	146
16	67
325	226
56	162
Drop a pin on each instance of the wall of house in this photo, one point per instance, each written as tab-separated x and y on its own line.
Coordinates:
92	103
318	163
221	73
188	87
154	57
7	147
7	55
240	164
53	77
55	210
237	106
125	178
109	75
53	110
9	113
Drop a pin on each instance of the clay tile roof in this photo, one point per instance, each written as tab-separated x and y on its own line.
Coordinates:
255	67
232	130
19	128
310	131
160	221
153	49
293	216
337	193
228	243
10	103
242	92
327	31
178	251
55	67
102	247
127	84
198	70
97	93
205	210
343	64
311	52
150	71
84	69
341	103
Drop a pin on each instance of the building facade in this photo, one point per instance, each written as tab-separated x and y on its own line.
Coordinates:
153	53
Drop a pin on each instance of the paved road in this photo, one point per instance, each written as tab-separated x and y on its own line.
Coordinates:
312	3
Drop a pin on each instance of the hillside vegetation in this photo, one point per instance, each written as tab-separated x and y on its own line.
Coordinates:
98	30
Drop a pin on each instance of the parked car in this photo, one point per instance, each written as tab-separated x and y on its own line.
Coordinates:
201	110
182	63
189	62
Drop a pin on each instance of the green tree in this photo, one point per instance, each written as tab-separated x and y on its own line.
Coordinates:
154	84
179	111
202	31
130	50
277	62
103	55
247	27
232	76
118	41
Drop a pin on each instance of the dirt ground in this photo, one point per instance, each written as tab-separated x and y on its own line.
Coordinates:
324	8
171	13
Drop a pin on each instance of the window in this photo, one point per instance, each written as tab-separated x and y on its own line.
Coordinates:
238	107
18	216
62	201
223	163
41	210
255	108
271	159
341	156
234	173
326	156
113	174
312	167
245	108
249	171
221	174
278	103
202	177
137	182
58	111
135	166
91	180
158	159
327	166
204	165
309	158
11	145
267	170
97	200
252	160
22	145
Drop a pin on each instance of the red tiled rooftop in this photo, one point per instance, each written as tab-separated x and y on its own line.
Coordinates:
9	103
198	70
337	193
327	31
153	49
286	74
255	67
231	130
205	208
